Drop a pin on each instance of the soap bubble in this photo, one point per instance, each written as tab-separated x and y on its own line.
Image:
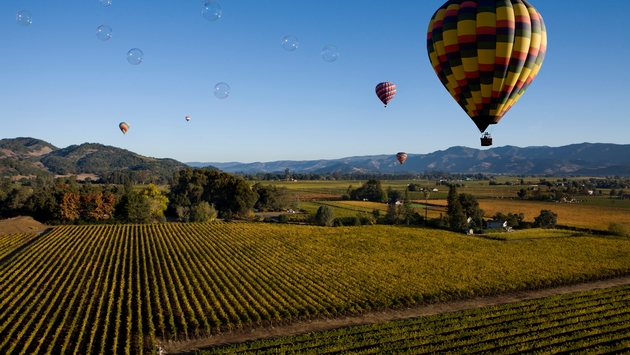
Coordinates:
290	43
211	11
103	32
135	56
330	53
24	18
222	90
105	3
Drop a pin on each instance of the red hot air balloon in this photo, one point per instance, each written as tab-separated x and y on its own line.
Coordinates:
124	127
401	157
385	92
187	118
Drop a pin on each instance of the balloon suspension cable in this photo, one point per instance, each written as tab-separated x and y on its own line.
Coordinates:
486	139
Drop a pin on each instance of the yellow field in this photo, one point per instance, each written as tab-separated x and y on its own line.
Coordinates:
574	215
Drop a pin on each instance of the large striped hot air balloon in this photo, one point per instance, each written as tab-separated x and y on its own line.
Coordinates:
124	127
187	118
486	53
401	157
385	92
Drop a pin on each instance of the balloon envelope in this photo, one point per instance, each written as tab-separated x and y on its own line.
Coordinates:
124	127
385	92
187	118
486	53
401	157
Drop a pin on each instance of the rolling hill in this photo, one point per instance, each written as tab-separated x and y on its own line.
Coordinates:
30	156
578	159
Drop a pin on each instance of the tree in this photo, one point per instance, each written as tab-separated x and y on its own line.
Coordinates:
295	205
393	195
391	217
371	191
134	208
157	201
183	213
202	212
546	219
69	206
454	211
426	194
405	211
325	216
471	209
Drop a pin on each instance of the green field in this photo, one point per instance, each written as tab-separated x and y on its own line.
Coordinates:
113	289
594	322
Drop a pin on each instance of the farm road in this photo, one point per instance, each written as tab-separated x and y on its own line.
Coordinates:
316	325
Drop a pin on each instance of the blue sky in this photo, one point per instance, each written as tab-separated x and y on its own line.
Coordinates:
59	83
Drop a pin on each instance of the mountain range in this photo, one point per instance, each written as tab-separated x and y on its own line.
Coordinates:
30	156
578	159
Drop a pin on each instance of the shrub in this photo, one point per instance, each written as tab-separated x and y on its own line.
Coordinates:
283	218
325	216
619	229
354	221
202	212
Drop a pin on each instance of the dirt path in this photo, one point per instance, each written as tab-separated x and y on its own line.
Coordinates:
317	325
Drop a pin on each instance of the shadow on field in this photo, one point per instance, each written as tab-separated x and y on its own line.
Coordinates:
8	257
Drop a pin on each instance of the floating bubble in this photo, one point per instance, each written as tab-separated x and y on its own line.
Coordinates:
211	11
24	18
135	56
105	3
222	90
330	53
290	43
103	32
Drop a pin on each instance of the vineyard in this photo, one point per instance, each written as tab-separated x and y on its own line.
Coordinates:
594	322
122	289
9	243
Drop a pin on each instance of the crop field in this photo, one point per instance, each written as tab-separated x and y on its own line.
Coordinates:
121	289
593	322
10	242
569	214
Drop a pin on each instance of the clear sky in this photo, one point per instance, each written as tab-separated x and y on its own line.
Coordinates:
59	83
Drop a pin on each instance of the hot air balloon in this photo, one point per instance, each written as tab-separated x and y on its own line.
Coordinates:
124	127
401	157
486	53
385	92
187	118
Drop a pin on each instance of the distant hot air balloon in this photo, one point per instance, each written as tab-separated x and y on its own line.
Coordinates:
401	157
124	127
187	118
385	92
486	53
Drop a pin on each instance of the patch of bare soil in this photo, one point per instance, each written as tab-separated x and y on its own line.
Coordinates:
316	325
81	177
22	224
